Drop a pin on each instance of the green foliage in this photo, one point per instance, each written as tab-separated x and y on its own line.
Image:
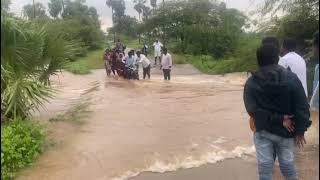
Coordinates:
125	25
30	53
153	3
273	6
55	8
21	143
241	60
80	23
5	5
118	9
93	60
300	20
34	11
201	27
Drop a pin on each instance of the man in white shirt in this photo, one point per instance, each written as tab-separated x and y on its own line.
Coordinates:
294	62
166	64
146	64
157	51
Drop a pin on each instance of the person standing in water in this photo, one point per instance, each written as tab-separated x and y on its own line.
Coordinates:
166	64
145	50
275	99
146	64
294	62
157	51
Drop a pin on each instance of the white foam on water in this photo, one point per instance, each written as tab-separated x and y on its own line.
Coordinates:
215	156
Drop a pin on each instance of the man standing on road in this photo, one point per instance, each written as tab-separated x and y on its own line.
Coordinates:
157	51
146	64
275	99
294	62
166	64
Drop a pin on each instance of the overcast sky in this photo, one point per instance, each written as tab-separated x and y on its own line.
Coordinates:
105	12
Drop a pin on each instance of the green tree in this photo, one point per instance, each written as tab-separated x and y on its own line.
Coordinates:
118	8
274	6
55	8
5	5
30	53
153	3
200	26
126	25
34	11
82	23
139	6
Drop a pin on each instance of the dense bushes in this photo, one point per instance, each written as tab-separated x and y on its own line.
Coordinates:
21	143
242	59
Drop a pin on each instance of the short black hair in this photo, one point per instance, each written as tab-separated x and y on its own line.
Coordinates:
164	49
316	39
267	55
272	41
290	44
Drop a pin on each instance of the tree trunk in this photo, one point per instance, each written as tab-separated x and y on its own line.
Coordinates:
62	2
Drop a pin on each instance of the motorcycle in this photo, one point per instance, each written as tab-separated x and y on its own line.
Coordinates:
132	72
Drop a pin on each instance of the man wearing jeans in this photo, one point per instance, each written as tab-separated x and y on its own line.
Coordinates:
276	101
166	64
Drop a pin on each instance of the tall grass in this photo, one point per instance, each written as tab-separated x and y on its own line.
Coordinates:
83	65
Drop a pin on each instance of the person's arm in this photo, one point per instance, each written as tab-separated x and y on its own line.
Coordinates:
301	108
170	61
256	112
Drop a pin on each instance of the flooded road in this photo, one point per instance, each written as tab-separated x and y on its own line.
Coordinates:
145	126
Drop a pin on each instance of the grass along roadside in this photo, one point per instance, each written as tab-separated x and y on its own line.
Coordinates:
83	65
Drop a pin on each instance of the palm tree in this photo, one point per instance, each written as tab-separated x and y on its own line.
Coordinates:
153	3
139	6
30	53
110	4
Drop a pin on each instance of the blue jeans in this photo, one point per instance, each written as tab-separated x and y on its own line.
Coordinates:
268	147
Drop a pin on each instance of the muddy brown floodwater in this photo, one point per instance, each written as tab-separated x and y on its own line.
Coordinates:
144	126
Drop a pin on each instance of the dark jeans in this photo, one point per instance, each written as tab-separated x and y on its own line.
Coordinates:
146	71
166	74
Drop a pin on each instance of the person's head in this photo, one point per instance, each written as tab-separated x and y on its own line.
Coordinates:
288	45
271	41
157	40
138	53
118	40
267	55
316	45
165	51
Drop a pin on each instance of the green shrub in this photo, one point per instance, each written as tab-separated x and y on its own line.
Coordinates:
21	143
78	67
93	60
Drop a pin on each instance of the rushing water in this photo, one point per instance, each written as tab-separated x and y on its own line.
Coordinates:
138	126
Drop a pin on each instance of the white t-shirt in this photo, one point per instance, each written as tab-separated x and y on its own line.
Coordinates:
157	46
297	65
144	61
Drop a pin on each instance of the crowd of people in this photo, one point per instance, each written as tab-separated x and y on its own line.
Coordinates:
276	98
127	66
